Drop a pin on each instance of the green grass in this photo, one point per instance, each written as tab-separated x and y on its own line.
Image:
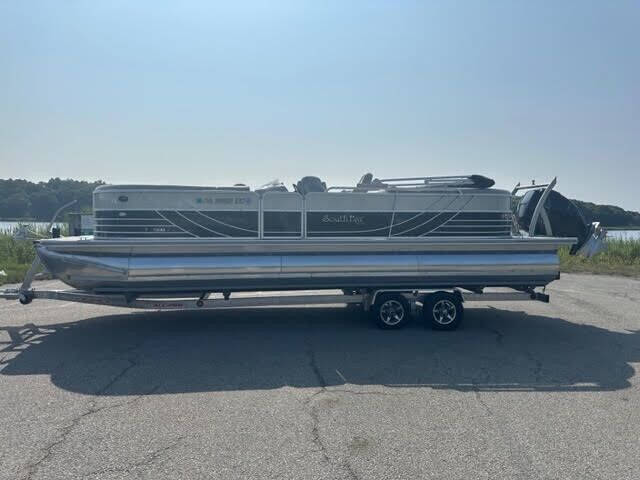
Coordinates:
622	257
15	258
17	255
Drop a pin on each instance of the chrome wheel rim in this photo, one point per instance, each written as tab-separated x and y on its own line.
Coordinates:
444	312
391	312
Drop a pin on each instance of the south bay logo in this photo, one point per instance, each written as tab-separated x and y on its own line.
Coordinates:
352	219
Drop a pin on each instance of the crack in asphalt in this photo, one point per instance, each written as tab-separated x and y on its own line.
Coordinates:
316	438
145	462
517	453
537	370
315	433
132	363
499	335
583	303
480	400
314	367
48	451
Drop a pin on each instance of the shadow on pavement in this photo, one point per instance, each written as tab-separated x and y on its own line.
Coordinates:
169	352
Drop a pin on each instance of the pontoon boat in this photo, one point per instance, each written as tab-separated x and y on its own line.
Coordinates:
405	233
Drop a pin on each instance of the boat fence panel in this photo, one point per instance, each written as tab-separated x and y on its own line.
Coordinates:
215	213
444	214
282	214
176	213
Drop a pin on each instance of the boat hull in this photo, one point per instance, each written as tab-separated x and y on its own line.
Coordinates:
162	266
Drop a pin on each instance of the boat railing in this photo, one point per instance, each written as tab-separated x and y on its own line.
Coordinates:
35	265
410	184
539	211
442	181
533	186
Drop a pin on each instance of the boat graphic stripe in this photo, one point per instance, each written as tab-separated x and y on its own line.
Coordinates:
126	214
178	226
199	228
233	224
450	218
147	232
444	215
131	222
182	223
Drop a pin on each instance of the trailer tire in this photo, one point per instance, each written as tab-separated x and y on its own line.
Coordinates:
391	311
442	310
25	299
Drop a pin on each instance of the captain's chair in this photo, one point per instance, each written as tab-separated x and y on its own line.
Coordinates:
310	184
365	181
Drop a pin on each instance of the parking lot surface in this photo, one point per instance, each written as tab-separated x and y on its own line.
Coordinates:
522	390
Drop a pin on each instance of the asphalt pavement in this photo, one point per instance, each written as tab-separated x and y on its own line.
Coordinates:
522	390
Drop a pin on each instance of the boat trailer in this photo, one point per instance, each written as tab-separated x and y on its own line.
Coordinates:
390	308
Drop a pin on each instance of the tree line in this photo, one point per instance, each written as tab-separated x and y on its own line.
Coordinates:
608	215
22	200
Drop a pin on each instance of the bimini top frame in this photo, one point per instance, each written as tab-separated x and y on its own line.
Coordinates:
539	211
368	183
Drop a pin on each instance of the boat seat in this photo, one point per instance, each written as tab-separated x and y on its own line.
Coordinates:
365	180
309	185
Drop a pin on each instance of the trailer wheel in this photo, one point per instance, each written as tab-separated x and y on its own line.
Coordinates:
24	299
391	311
443	310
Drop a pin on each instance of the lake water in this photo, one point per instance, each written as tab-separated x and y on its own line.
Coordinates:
624	234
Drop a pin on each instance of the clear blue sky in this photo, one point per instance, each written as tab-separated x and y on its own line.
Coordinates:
210	93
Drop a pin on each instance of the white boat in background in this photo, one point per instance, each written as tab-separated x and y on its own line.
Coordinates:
405	233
